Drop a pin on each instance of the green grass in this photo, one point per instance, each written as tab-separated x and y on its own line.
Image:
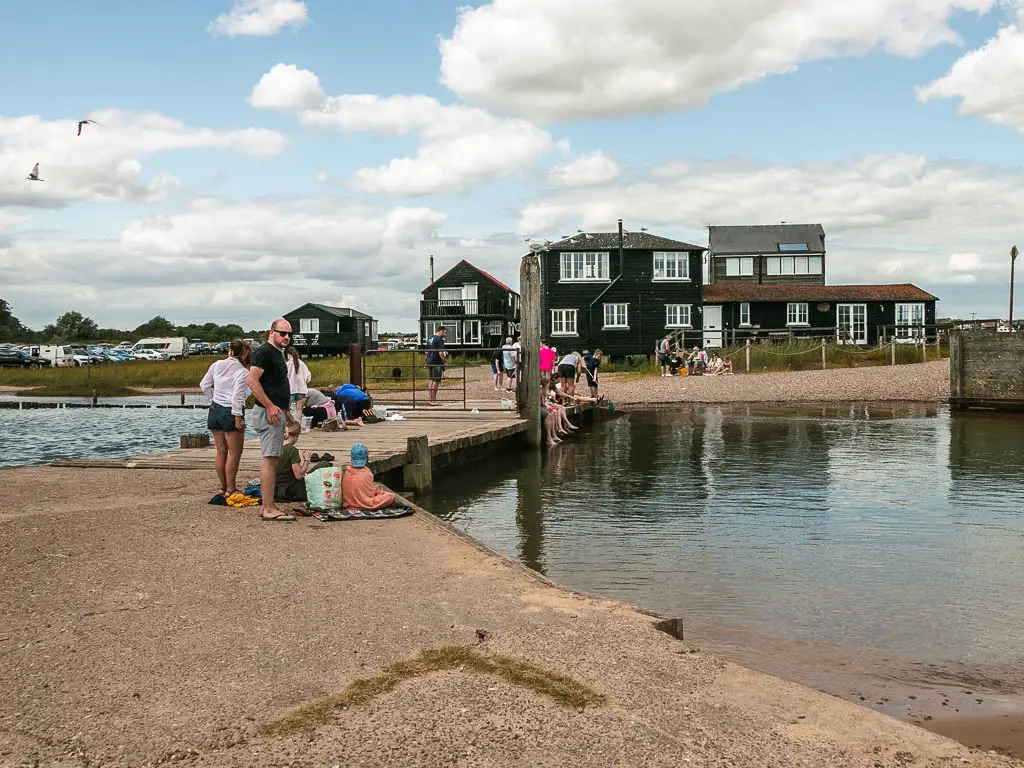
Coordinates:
563	690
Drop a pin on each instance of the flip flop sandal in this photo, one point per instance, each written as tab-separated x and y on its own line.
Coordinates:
281	517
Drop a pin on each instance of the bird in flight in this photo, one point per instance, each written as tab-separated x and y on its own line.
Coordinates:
34	174
84	122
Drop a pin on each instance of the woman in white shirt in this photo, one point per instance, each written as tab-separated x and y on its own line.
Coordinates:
298	380
225	385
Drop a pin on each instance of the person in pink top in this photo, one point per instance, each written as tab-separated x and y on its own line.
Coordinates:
547	361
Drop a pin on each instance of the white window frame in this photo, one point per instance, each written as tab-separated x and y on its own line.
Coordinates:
453	295
471	332
619	314
745	314
671	266
842	309
563	322
914	313
739	266
795	310
776	266
678	316
309	325
584	267
454	330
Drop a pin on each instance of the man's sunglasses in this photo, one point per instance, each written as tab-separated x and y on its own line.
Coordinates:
281	333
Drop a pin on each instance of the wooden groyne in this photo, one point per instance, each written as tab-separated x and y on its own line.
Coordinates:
986	371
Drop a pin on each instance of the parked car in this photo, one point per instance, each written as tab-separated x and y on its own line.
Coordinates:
148	354
221	348
171	347
18	359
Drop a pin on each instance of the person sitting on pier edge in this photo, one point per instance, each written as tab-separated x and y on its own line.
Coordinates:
718	366
358	491
591	362
293	467
225	385
555	419
547	362
435	361
569	370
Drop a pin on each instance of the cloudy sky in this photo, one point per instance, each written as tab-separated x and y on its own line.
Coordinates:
252	155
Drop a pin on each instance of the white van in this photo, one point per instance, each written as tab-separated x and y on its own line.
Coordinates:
59	356
170	348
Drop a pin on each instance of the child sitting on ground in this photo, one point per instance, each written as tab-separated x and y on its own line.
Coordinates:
357	487
292	468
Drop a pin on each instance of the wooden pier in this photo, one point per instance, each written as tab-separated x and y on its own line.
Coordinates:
453	437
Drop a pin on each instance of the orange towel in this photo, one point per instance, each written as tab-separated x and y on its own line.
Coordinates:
359	492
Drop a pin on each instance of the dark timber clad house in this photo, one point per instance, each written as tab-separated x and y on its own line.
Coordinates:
769	281
477	309
322	330
618	291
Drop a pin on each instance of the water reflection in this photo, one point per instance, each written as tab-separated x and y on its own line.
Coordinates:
896	529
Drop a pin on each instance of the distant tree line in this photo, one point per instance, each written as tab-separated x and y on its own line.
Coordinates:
75	327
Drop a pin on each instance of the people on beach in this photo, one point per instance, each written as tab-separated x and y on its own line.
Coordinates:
358	490
268	380
569	370
225	385
298	380
665	354
435	360
718	366
509	361
696	361
591	362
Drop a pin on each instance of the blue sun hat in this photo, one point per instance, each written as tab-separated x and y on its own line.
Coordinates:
359	455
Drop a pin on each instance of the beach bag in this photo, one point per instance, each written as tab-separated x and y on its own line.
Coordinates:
323	489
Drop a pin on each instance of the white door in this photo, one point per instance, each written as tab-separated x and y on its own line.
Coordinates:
712	326
852	323
469	298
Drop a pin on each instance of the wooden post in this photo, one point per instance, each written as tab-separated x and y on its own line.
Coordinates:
956	365
529	383
95	400
182	398
194	441
924	350
355	365
892	348
823	355
748	355
418	474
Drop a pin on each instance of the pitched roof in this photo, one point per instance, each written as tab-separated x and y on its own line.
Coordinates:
490	277
765	238
640	241
725	292
339	311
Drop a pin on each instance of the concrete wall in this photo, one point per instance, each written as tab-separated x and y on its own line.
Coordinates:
986	370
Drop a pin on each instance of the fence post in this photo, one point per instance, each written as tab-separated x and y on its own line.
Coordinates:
529	354
892	349
463	379
355	365
924	350
418	473
823	355
412	356
748	355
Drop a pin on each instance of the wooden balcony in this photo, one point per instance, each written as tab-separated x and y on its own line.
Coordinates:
464	308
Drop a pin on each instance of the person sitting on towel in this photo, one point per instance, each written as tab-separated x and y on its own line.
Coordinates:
357	487
718	366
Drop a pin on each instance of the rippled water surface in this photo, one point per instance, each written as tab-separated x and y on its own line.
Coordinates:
894	531
39	436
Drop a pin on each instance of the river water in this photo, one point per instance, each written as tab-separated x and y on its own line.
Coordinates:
871	551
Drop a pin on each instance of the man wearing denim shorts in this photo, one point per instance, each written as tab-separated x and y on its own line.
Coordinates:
268	380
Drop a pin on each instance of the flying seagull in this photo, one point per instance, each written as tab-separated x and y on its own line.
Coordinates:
34	175
84	122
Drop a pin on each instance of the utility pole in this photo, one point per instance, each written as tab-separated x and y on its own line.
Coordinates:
1013	261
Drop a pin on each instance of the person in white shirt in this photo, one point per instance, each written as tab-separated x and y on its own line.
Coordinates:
508	354
225	384
298	381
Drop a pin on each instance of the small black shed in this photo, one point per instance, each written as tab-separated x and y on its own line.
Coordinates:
321	330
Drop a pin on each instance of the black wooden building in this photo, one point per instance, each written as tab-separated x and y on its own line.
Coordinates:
853	314
323	330
790	254
618	291
477	309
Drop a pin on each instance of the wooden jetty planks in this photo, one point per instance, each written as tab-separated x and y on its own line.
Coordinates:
387	441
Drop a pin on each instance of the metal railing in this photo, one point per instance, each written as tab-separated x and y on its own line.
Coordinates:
441	308
402	378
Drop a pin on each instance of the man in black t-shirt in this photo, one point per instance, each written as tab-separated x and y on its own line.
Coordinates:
268	380
435	362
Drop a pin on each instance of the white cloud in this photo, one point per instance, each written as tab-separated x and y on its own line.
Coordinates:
460	147
102	165
585	170
564	59
259	18
988	81
887	218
